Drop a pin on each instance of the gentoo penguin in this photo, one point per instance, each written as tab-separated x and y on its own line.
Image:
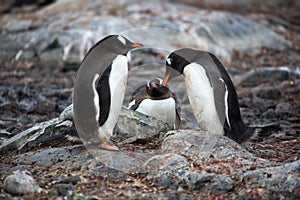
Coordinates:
99	89
211	93
155	100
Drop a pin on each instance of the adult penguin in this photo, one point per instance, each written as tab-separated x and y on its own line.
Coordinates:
99	89
154	99
211	93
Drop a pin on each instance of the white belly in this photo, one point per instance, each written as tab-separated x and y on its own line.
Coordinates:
117	84
163	110
201	97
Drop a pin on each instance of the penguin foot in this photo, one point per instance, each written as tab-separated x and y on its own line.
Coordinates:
106	146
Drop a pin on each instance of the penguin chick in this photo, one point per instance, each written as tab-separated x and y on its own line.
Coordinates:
154	99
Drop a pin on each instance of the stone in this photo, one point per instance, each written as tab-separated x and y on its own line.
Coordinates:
283	108
284	179
268	93
66	190
177	25
131	123
224	183
70	180
216	153
19	141
166	162
258	76
20	183
196	181
193	144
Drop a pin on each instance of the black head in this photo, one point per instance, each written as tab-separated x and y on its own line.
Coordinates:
118	44
176	62
155	88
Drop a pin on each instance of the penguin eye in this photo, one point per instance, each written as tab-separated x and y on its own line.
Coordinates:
121	39
169	61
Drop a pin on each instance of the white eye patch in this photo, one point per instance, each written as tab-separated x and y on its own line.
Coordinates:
169	61
121	39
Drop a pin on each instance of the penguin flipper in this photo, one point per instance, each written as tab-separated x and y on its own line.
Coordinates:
178	111
103	91
135	99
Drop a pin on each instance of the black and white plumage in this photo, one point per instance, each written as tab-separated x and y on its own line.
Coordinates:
154	99
211	92
99	89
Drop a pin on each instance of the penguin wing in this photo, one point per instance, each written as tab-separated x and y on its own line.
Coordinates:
137	96
178	111
232	103
103	93
221	102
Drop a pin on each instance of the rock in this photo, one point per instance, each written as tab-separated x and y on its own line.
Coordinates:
20	183
284	180
6	196
224	183
67	113
21	4
167	162
267	74
19	141
268	93
132	123
66	190
239	4
55	157
283	108
219	32
120	161
70	180
161	169
194	144
196	181
215	153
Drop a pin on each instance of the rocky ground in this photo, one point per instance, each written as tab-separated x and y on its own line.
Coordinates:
41	49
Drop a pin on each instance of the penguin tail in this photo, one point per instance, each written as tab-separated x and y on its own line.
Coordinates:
261	132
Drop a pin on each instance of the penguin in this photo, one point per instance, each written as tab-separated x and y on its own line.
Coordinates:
211	93
155	100
99	89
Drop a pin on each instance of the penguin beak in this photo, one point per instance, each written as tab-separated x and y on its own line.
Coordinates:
136	45
166	79
153	85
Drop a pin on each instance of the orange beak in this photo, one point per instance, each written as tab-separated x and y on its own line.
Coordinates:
153	85
136	45
166	79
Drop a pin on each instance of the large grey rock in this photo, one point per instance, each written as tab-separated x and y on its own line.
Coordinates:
250	4
30	136
213	152
20	183
284	180
162	169
166	162
130	124
72	35
267	74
